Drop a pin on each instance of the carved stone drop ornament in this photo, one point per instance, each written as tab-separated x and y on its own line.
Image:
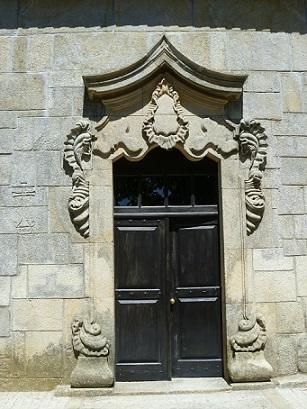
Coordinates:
78	146
252	141
248	346
92	349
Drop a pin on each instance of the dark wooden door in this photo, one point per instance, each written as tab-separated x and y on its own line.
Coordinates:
196	314
142	346
158	261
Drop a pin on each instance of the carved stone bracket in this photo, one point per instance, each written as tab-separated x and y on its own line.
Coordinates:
92	349
252	143
172	130
249	363
78	146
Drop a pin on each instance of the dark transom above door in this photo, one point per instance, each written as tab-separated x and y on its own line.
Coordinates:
167	278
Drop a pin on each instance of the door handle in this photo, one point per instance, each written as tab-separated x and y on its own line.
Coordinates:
172	301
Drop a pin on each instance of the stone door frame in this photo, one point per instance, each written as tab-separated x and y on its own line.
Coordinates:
131	99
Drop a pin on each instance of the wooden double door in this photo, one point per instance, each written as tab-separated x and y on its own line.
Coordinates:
168	298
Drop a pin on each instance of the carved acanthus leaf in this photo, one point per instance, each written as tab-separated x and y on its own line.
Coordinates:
78	146
88	340
251	336
165	135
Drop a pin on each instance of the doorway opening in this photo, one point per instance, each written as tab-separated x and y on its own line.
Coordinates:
167	268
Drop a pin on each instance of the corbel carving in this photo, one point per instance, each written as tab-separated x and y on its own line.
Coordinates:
248	363
78	146
87	339
252	144
173	130
92	349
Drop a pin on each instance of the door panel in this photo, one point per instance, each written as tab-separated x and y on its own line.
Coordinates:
155	261
141	330
196	329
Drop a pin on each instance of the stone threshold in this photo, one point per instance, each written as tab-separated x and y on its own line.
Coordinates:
181	386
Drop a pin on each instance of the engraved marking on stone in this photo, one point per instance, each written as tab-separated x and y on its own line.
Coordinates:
23	190
25	225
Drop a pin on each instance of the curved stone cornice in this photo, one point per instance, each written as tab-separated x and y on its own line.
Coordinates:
164	57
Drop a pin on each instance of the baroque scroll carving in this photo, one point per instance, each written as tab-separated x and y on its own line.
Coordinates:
163	130
91	348
251	336
248	362
253	145
78	146
87	339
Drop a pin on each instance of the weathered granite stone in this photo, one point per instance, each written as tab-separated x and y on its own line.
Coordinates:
24	220
301	275
291	146
274	286
20	283
37	315
58	281
44	354
5	166
5	291
48	249
271	259
92	349
292	92
262	105
291	200
4	322
20	53
302	353
301	226
295	247
290	318
38	61
8	254
248	363
6	58
22	91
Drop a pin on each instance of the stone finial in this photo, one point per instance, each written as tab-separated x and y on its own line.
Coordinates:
248	363
78	146
92	349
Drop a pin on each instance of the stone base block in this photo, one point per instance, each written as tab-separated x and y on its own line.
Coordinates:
250	367
91	372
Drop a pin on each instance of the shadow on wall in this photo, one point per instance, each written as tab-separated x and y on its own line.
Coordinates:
273	15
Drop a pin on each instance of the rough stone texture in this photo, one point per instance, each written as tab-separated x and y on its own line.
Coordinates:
22	92
8	254
37	315
5	290
289	318
4	322
60	281
271	259
274	286
48	249
46	49
44	354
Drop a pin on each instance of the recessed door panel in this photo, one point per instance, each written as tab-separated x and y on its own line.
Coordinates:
141	327
196	318
168	312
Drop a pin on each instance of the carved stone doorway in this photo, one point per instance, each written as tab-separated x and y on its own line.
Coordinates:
167	268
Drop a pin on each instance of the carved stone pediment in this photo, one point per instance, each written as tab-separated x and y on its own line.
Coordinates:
166	100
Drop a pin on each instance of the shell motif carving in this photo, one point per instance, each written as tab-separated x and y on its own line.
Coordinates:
252	142
78	146
87	339
171	127
251	336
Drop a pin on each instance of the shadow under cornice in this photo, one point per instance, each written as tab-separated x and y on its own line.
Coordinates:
270	15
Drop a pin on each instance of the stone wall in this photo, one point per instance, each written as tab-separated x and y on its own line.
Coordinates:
44	277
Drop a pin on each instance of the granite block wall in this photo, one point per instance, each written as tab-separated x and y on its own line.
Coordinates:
45	49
